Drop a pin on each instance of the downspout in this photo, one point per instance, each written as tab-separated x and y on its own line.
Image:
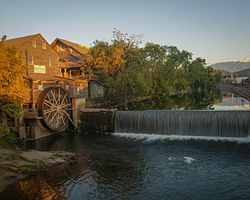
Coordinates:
30	81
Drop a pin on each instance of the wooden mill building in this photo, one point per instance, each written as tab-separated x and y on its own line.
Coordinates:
73	69
41	63
57	64
52	92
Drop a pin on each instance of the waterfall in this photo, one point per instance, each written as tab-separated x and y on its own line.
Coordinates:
184	122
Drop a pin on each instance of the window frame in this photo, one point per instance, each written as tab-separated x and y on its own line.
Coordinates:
34	43
44	45
30	59
49	62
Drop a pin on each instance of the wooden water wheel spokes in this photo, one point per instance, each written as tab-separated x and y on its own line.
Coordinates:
54	106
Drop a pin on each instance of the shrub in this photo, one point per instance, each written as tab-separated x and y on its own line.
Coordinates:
8	138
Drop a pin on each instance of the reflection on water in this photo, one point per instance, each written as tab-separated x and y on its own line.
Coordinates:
51	184
113	167
232	101
34	188
199	100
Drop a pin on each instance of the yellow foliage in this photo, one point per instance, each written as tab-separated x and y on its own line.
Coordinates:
83	46
109	59
117	58
12	84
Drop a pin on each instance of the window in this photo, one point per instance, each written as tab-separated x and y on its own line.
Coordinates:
40	87
30	59
62	70
34	43
58	48
72	58
49	62
44	45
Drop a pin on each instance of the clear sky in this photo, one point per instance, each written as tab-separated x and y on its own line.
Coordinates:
217	30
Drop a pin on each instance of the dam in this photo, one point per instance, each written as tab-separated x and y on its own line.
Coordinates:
212	123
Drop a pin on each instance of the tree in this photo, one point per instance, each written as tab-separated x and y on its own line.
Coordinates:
109	59
128	70
13	90
12	84
115	61
4	37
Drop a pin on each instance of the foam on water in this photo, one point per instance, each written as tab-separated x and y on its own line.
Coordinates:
156	137
185	159
188	160
172	158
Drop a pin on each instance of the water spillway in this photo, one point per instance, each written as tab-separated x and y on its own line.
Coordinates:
185	122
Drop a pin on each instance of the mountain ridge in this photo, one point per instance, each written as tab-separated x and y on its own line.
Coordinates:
232	66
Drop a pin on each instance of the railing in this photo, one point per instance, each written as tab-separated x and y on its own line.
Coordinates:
80	77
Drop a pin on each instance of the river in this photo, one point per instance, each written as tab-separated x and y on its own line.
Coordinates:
232	101
115	166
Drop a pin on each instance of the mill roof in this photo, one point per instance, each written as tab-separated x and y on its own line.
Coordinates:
17	42
81	49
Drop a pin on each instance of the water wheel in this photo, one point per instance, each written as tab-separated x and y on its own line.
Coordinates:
54	106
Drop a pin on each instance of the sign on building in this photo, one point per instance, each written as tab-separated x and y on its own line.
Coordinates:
41	69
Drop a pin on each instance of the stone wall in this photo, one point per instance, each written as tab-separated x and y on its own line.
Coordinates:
97	121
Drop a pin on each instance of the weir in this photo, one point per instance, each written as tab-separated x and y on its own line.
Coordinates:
191	122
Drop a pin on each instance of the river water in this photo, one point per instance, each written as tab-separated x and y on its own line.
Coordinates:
113	167
231	101
140	166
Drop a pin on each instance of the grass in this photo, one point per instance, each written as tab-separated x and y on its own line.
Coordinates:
8	138
25	169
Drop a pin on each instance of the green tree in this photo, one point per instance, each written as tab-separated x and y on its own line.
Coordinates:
129	71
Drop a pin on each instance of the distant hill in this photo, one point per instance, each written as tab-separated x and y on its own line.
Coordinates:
231	66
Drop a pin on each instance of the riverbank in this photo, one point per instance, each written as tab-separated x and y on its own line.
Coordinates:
19	164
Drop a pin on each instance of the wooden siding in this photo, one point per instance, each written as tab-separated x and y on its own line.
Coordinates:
34	52
41	56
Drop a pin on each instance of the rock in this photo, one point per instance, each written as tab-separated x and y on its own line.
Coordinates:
18	164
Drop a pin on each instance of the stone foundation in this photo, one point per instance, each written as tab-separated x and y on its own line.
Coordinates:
97	121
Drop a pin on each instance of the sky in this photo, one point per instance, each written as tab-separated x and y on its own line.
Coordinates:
216	30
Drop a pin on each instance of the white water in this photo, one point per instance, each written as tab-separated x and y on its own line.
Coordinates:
185	159
156	137
188	160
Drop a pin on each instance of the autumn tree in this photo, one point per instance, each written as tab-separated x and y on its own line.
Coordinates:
109	59
13	90
11	75
129	70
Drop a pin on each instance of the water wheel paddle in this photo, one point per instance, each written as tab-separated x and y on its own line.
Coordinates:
54	106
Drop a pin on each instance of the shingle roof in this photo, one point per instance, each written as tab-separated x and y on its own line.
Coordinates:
81	49
69	64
